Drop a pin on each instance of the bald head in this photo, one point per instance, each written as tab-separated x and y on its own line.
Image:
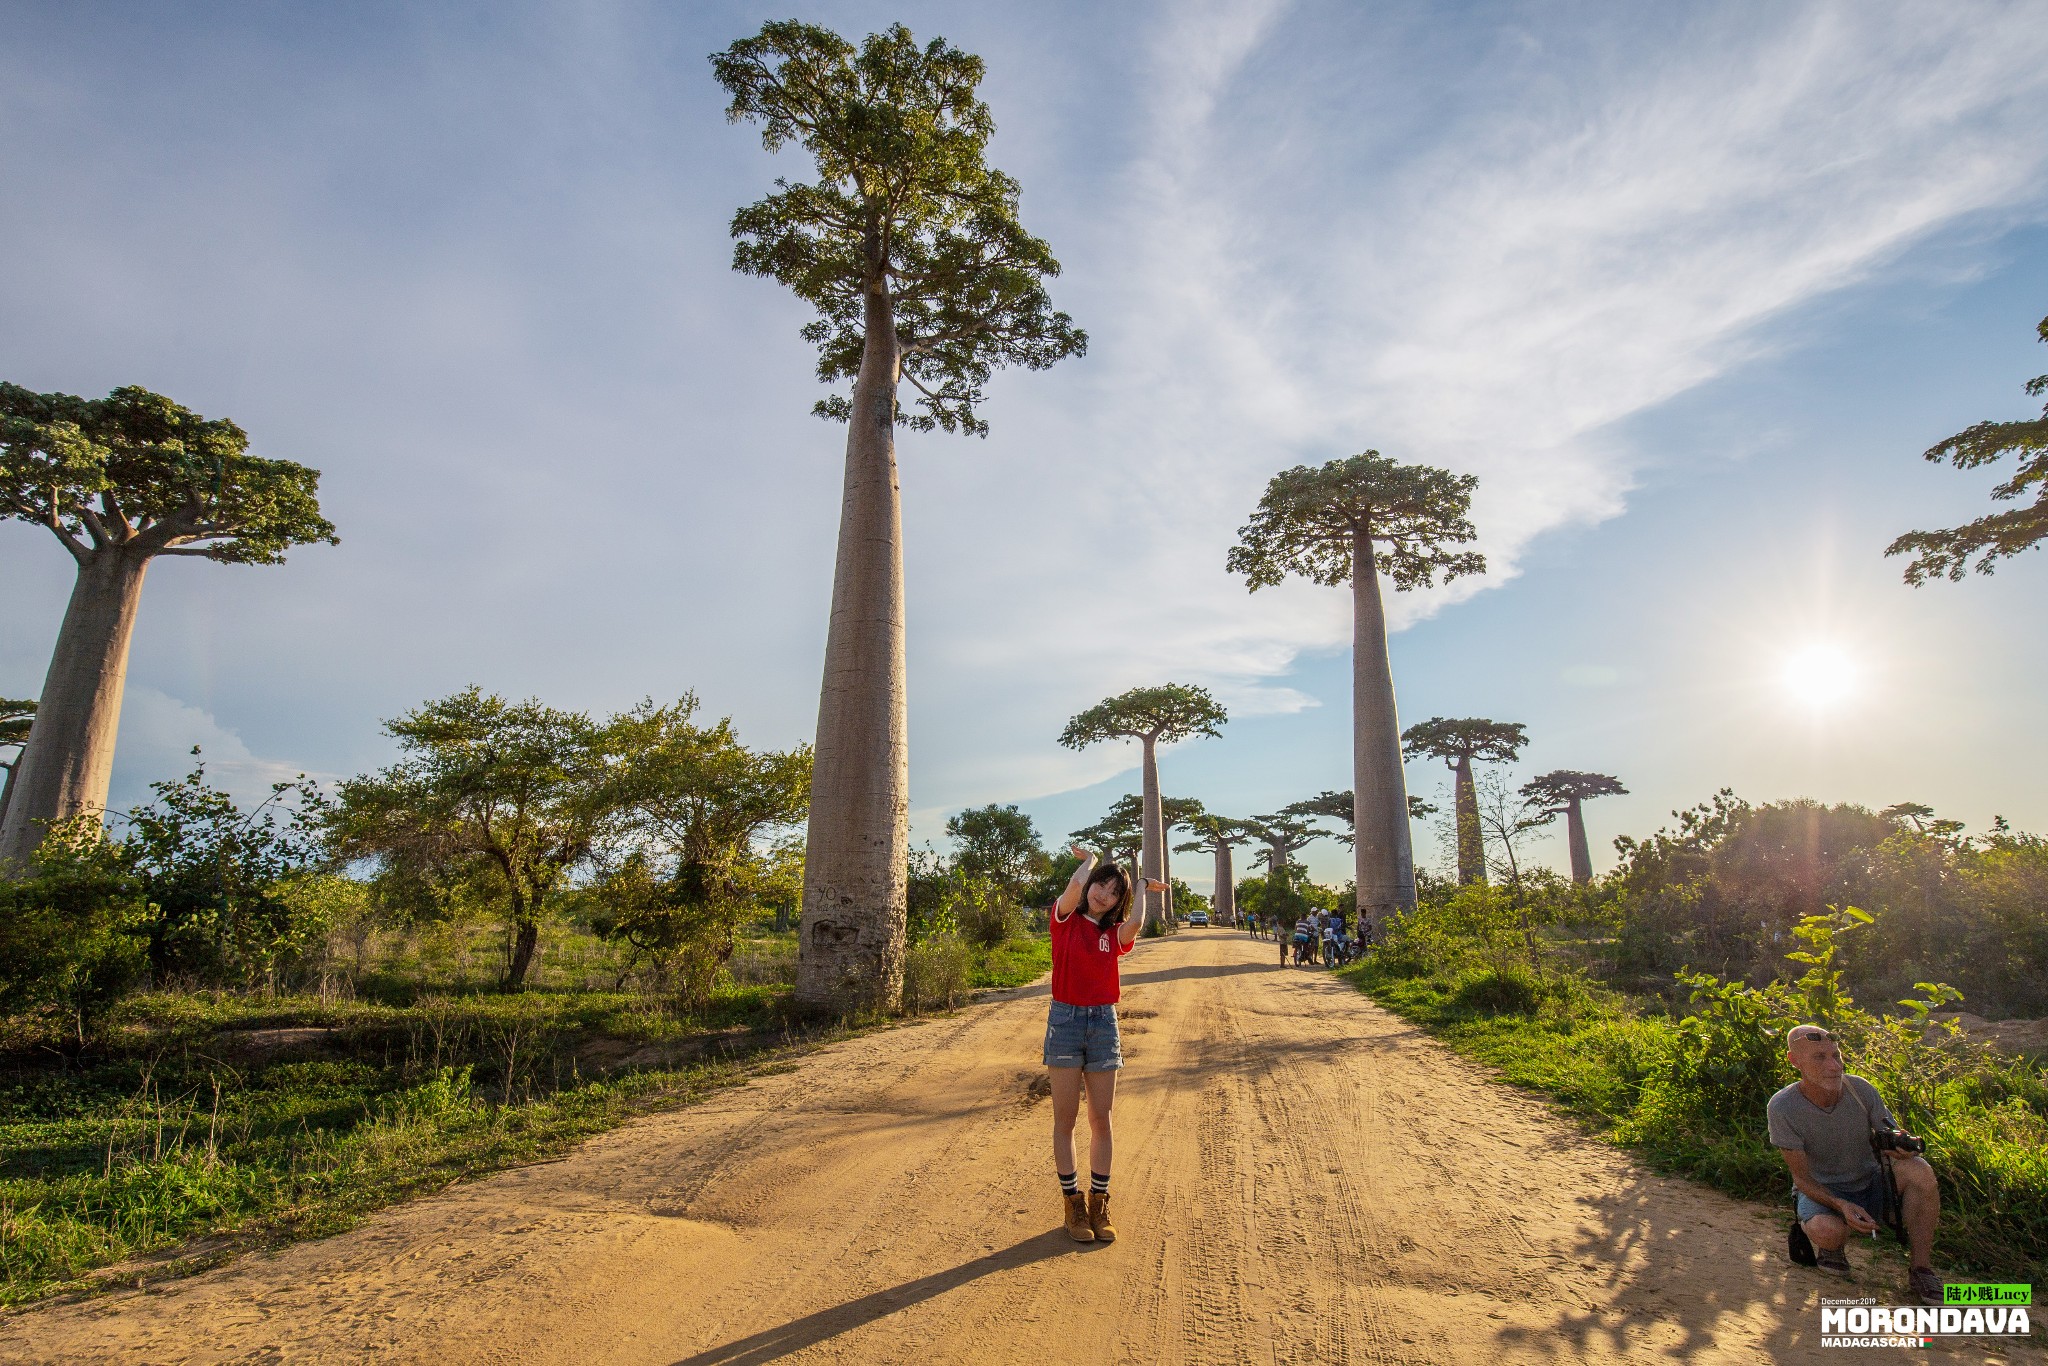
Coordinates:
1815	1054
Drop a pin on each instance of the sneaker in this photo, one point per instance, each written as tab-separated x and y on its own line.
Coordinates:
1833	1261
1926	1286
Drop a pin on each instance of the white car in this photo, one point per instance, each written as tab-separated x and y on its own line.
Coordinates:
1198	917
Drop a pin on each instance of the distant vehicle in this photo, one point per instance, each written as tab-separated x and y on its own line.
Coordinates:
1198	917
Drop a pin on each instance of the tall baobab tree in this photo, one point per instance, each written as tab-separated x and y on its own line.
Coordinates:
1998	535
121	482
16	716
1342	807
1461	744
1165	714
1348	522
1283	834
1564	791
1219	835
909	247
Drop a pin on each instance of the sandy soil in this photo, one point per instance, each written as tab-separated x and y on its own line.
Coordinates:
1300	1178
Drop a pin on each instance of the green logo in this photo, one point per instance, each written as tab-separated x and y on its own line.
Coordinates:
1986	1293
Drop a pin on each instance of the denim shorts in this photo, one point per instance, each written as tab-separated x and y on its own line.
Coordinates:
1871	1195
1083	1036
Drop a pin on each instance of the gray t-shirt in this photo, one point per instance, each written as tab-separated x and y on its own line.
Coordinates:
1836	1141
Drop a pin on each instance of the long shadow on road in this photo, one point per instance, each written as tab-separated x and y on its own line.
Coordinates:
771	1343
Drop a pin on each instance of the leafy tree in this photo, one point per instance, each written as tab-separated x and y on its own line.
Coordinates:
16	715
1219	835
1282	833
1999	535
1461	744
998	843
909	247
1165	714
1347	522
682	810
220	881
1342	807
120	481
501	796
1563	792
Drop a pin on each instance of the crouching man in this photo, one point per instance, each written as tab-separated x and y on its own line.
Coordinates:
1822	1124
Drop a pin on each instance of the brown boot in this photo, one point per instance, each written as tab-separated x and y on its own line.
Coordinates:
1098	1218
1077	1218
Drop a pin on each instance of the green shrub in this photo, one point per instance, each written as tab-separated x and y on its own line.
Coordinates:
935	973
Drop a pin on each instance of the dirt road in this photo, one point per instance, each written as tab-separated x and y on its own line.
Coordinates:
1300	1177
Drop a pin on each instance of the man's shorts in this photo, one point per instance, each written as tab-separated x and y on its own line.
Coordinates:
1872	1195
1083	1036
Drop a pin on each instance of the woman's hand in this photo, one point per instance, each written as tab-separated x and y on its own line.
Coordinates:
1153	884
1078	852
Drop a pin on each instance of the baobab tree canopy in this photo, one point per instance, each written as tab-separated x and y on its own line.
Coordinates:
1309	516
137	471
1557	790
903	207
1946	554
1167	713
1474	740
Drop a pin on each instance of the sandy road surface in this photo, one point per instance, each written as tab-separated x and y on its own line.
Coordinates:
1300	1178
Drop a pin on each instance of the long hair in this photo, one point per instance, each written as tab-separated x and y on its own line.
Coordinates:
1108	872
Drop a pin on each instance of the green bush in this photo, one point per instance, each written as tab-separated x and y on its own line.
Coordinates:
71	936
936	973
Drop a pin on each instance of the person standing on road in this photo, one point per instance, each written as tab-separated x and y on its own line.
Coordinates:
1091	930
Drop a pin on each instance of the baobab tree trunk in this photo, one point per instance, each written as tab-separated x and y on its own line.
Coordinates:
1575	834
1225	894
1383	861
850	940
1155	834
1471	840
69	759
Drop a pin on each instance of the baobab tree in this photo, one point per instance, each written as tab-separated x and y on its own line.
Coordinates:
1166	714
120	482
1283	834
1460	744
1348	522
1119	834
1564	791
1998	535
909	247
1219	835
16	715
1342	806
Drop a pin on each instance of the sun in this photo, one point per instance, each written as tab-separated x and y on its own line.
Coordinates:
1820	676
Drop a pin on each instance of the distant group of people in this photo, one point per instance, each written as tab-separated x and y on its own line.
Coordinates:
1320	937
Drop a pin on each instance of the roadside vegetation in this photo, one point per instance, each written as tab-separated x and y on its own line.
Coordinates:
1653	1003
224	1027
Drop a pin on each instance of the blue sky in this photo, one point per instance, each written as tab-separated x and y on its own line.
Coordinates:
1689	289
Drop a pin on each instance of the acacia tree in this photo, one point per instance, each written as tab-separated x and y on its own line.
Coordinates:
507	797
1563	791
16	715
120	481
1460	744
1165	714
683	808
1939	554
908	246
1219	835
1348	522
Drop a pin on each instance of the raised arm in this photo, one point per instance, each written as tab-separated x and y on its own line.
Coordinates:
1128	931
1071	898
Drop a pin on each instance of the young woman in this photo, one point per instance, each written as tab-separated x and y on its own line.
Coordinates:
1091	930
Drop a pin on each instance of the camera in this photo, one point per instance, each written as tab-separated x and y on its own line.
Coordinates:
1896	1141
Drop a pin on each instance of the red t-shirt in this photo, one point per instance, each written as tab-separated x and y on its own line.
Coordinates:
1084	961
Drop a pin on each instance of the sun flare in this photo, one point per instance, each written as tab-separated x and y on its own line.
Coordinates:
1820	676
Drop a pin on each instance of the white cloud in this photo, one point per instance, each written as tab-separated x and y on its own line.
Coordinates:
157	735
